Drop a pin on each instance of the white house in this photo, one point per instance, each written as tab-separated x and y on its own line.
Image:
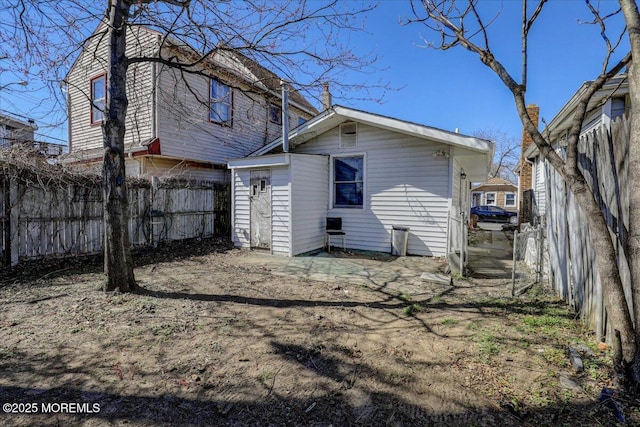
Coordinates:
178	123
372	171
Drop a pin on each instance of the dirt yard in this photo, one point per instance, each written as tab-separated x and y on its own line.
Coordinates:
222	337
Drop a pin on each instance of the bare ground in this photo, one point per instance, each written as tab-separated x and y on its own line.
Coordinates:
223	337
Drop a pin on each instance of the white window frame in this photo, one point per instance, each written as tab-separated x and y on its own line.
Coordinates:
226	101
98	105
332	189
515	201
495	198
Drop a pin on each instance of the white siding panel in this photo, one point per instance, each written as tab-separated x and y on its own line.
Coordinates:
405	185
280	211
241	218
310	201
540	189
184	128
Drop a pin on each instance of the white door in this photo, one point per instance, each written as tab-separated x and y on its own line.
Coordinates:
260	207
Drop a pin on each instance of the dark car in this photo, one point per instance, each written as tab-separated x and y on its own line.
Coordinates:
493	213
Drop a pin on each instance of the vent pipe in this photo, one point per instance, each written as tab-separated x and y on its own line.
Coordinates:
285	116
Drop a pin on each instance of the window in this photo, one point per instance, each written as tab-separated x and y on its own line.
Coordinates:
476	199
275	114
348	134
510	199
348	182
220	103
490	199
98	98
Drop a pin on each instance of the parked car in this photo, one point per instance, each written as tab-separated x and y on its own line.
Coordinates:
494	213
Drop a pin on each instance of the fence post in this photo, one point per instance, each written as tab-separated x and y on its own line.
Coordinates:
539	236
14	221
513	267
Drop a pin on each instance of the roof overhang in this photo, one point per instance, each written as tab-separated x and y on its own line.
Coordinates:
339	114
271	160
618	85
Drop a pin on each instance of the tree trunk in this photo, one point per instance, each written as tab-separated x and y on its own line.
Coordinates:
118	263
632	18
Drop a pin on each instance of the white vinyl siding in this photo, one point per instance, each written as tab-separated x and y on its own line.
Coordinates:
92	62
299	200
240	234
309	202
280	211
186	132
540	191
405	186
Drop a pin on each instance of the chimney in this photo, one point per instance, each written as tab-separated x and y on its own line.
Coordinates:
326	97
526	177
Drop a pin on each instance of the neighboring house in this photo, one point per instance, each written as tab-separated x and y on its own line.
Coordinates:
496	192
178	123
372	171
14	131
609	103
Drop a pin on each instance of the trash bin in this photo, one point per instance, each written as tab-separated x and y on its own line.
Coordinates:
399	240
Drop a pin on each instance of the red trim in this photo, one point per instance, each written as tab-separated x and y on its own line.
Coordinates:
154	147
91	121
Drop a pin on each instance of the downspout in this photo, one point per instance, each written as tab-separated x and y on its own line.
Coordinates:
285	116
68	117
154	101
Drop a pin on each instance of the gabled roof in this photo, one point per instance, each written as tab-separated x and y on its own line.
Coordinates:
229	61
473	154
618	85
337	114
495	184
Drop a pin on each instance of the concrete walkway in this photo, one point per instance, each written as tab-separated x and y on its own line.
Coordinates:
374	270
491	256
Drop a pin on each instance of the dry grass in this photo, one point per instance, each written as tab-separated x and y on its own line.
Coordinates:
218	338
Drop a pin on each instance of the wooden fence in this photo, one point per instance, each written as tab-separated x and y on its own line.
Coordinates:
48	218
603	158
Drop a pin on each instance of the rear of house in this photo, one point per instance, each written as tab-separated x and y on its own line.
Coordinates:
178	123
371	171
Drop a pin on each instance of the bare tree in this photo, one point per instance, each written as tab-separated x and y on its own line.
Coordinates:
462	24
298	40
506	156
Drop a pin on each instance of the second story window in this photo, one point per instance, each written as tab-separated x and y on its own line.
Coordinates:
98	98
275	114
220	103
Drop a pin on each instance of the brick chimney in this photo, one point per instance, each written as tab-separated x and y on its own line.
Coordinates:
525	168
326	97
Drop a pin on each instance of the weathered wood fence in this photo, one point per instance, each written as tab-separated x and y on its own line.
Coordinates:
49	218
603	158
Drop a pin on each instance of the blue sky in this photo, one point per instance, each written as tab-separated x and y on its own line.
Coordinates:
449	89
